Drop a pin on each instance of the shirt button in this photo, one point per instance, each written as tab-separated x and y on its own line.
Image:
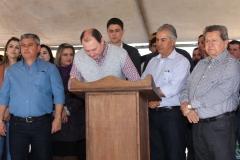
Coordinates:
194	97
27	101
197	86
203	76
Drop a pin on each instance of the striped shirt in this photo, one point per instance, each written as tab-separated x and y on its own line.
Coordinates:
213	86
170	75
128	69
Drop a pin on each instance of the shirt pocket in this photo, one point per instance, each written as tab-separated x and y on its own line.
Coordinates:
166	77
42	81
214	83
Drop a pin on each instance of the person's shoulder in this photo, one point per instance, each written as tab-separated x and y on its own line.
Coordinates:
181	59
231	64
183	52
81	56
80	53
201	63
46	66
116	48
231	59
45	63
151	55
129	48
181	56
126	46
14	66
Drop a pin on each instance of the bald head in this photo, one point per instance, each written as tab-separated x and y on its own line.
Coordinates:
87	36
90	34
92	42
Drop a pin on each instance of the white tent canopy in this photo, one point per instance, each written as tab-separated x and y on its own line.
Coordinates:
62	21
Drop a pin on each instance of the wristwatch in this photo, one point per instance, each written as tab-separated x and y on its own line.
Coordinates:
189	106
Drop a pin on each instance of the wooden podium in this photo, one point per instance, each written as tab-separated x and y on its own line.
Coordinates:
117	117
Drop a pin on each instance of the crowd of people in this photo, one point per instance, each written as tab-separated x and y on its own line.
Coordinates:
200	94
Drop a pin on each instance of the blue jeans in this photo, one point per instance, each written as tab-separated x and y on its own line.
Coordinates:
8	156
2	142
37	133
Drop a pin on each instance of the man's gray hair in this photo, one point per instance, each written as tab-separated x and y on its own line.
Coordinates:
30	35
171	29
222	29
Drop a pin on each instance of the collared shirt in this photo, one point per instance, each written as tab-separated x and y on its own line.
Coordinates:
128	69
170	75
29	91
121	46
212	88
102	56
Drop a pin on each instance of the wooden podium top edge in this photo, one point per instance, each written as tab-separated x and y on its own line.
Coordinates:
112	83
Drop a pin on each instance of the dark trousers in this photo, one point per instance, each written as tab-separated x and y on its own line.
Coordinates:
81	155
215	140
38	134
167	135
238	127
190	155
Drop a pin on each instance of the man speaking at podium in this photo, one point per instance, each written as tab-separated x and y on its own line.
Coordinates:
98	59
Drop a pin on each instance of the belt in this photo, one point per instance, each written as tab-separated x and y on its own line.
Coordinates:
30	119
212	119
164	109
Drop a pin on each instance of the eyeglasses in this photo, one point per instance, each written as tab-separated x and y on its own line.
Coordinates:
214	41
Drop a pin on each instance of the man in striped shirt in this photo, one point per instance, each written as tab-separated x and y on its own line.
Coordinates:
210	97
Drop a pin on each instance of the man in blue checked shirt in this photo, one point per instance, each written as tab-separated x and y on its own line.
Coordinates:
209	98
30	89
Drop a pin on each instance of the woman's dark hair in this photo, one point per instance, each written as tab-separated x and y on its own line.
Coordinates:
153	41
49	51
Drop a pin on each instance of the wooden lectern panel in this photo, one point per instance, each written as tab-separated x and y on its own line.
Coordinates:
144	128
117	126
117	117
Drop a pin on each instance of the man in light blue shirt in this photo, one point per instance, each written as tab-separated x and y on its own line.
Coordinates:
30	89
166	123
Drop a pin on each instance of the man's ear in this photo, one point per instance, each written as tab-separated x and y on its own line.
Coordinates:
39	48
123	31
102	41
174	41
226	44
